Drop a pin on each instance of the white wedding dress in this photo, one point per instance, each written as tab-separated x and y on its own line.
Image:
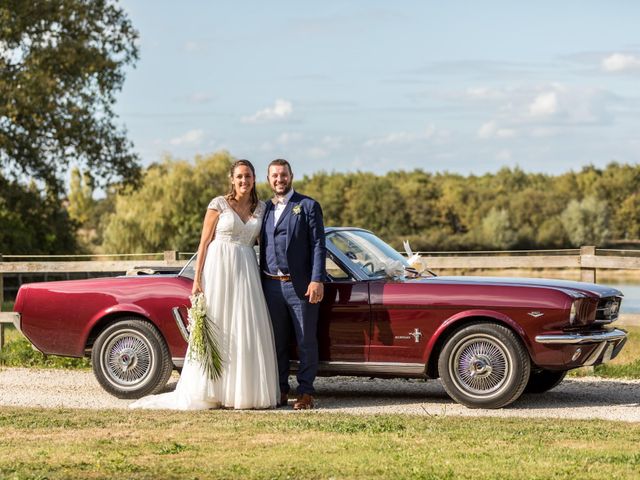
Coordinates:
236	305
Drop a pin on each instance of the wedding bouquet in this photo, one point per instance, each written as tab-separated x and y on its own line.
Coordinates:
415	261
203	344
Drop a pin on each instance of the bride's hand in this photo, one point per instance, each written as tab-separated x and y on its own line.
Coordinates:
197	288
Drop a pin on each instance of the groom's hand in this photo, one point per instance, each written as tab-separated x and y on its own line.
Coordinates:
315	292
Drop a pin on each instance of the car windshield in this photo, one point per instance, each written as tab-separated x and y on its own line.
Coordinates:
368	253
189	269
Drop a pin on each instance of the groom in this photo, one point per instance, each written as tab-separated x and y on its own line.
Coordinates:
292	259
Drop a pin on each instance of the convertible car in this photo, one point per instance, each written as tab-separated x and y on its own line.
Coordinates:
487	339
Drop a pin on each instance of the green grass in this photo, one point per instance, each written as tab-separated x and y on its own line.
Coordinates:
18	352
85	444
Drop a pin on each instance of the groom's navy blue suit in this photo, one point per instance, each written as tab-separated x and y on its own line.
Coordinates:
294	247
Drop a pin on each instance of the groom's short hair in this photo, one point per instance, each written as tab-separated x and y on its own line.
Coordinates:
281	162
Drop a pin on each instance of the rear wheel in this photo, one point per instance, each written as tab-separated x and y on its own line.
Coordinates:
130	359
484	365
542	381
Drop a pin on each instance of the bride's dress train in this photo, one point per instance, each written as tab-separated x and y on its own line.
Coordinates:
236	306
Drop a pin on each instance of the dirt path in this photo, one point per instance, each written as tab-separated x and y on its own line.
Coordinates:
581	398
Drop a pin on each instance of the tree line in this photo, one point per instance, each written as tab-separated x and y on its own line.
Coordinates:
441	211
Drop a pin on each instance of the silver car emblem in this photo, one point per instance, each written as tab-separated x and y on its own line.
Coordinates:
536	314
416	334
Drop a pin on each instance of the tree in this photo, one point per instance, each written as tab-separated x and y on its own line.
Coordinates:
61	61
586	222
374	203
81	202
627	218
166	212
496	231
33	223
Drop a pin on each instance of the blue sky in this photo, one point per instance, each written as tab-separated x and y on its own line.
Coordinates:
465	87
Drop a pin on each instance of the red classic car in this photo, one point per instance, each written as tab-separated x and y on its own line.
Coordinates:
487	339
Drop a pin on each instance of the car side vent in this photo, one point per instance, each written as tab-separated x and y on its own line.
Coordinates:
608	309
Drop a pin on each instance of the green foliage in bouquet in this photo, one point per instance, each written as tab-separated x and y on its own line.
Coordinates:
203	344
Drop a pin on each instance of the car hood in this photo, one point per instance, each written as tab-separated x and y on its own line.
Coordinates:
576	289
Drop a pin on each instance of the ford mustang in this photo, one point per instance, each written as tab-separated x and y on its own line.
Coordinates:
488	339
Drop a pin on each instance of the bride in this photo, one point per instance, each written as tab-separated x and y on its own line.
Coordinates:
227	272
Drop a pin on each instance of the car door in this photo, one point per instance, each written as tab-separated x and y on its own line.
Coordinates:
398	332
345	317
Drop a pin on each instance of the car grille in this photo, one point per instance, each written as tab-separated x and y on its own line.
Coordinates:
608	309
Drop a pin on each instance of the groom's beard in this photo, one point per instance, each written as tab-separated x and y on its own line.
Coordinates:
287	189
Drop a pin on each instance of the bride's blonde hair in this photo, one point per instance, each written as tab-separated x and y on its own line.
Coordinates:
232	190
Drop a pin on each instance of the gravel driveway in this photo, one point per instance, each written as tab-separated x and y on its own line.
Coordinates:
580	398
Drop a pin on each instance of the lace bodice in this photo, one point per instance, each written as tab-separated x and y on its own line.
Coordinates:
231	228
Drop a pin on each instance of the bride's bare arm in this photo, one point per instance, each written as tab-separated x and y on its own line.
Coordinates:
208	233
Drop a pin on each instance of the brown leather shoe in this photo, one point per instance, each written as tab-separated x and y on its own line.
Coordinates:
304	402
284	400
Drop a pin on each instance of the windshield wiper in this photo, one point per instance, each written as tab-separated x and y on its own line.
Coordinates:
415	272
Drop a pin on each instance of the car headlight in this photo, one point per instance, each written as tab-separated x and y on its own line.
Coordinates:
573	313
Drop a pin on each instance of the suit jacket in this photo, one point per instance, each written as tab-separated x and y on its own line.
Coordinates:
306	251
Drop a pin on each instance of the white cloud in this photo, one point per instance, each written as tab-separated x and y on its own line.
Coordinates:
397	138
280	110
504	155
544	104
620	62
200	97
287	138
332	142
492	130
317	152
484	93
192	137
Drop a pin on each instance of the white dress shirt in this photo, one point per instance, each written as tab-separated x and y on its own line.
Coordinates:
281	204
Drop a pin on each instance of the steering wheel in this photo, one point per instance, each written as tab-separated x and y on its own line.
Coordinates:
368	265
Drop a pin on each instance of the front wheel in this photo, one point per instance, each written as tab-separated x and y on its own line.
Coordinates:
484	365
130	359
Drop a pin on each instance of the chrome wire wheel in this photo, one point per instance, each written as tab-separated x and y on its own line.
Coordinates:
130	358
127	359
480	365
484	365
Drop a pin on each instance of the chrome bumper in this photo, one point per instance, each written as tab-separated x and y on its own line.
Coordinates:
577	338
11	317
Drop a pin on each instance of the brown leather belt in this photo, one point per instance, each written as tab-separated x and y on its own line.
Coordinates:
282	278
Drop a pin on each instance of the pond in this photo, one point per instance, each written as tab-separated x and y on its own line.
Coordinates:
631	300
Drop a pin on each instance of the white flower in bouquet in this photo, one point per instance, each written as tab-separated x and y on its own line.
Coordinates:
203	344
393	268
415	260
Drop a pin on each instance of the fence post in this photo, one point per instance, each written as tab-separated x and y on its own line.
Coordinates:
587	274
170	256
1	285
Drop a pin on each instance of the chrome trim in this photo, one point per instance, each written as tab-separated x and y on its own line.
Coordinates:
178	361
389	368
12	317
595	355
180	323
576	338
